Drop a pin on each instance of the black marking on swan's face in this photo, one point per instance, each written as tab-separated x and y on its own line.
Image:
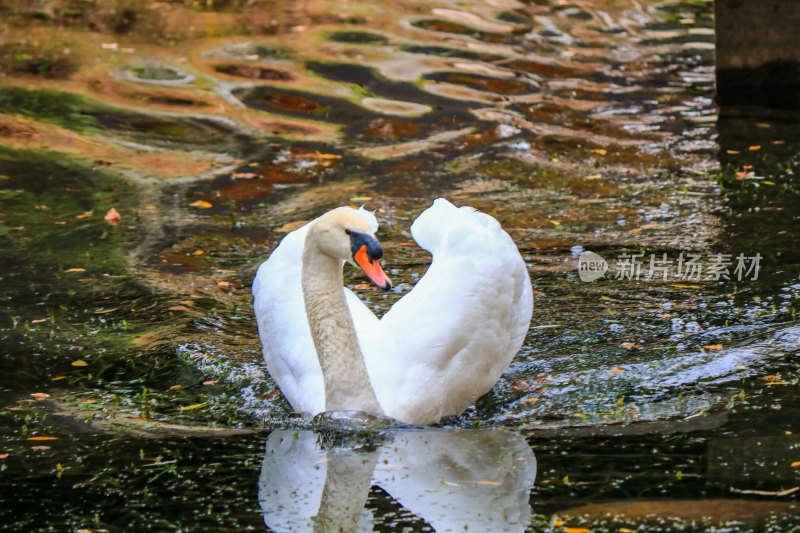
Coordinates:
358	240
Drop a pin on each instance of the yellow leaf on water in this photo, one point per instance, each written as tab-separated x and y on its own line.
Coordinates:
80	362
619	368
754	148
795	464
198	252
577	530
87	214
609	299
174	387
713	347
76	270
223	284
58	378
598	151
593	177
192	407
201	204
687	286
361	198
532	400
42	438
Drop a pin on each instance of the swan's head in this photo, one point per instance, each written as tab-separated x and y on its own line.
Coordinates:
344	234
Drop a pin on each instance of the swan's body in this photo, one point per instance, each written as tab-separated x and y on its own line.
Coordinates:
434	352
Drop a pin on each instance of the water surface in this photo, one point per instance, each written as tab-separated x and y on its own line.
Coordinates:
136	395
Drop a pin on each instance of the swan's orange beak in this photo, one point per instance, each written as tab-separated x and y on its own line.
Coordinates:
372	269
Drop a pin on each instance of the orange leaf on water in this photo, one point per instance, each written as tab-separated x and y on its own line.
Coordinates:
201	204
87	214
39	396
80	362
291	226
713	347
76	270
3	455
223	284
112	217
619	369
42	438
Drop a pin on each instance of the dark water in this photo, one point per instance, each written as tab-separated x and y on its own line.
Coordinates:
135	396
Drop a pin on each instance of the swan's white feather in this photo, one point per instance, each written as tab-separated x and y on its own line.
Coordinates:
438	348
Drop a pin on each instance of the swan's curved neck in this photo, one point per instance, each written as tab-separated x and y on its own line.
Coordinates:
347	385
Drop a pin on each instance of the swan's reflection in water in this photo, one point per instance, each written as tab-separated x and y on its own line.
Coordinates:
475	480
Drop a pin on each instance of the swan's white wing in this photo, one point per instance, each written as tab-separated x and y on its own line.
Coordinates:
283	327
448	341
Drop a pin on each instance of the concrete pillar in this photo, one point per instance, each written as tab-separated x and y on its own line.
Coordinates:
758	52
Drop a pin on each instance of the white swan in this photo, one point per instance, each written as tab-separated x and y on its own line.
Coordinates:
438	348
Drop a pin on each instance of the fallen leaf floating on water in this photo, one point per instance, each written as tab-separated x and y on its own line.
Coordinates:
593	177
198	252
112	217
754	148
38	321
104	311
686	286
361	198
619	369
80	362
291	226
76	270
177	308
3	455
599	151
87	214
795	464
223	284
192	407
485	482
609	299
210	382
713	347
201	204
42	438
577	530
174	387
40	448
245	175
630	345
766	492
39	396
57	378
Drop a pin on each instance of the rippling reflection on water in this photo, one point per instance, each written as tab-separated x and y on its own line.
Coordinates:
579	125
